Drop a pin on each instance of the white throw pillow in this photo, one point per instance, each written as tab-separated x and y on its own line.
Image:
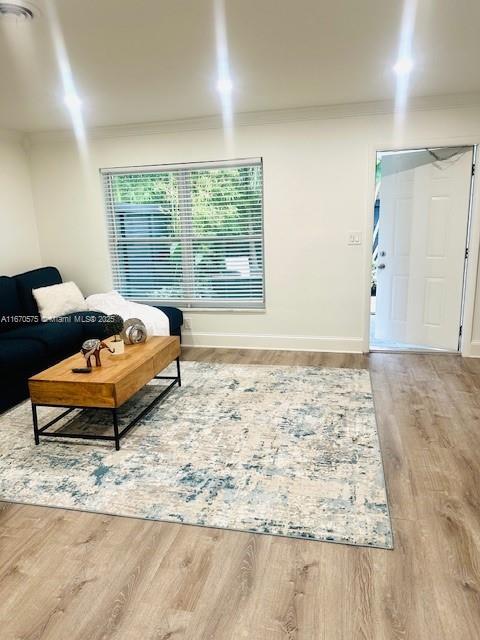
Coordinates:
58	300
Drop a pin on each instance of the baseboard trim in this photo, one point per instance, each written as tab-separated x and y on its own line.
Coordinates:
272	342
473	351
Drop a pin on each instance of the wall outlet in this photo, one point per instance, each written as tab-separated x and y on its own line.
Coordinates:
354	238
187	323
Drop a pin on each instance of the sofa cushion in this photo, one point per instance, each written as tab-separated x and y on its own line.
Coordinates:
44	277
21	358
13	392
10	306
59	339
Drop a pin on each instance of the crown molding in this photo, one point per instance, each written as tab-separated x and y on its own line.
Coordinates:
256	118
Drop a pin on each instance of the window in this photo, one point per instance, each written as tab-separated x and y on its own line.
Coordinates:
190	235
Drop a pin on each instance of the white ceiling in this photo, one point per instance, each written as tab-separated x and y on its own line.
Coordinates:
153	60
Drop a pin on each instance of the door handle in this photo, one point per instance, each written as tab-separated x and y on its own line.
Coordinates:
381	266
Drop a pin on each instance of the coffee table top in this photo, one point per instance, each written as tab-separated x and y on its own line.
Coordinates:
110	385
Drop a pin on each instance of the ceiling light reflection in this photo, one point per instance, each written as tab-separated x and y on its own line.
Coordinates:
72	101
225	85
404	66
70	95
224	82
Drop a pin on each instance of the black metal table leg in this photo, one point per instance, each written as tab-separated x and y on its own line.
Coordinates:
115	429
35	423
178	373
118	434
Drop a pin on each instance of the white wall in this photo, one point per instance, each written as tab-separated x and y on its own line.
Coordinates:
19	247
318	177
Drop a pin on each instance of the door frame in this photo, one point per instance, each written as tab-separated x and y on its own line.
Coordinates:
472	238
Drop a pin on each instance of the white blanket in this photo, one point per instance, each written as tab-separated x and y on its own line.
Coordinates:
155	320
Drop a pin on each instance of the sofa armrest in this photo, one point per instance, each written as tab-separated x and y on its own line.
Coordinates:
175	319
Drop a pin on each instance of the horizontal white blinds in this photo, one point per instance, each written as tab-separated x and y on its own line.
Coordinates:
189	235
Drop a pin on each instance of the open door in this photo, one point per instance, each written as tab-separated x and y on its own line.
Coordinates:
424	203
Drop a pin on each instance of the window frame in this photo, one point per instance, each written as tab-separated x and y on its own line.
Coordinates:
186	238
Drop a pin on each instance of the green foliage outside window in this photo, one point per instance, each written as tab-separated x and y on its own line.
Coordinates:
220	199
190	217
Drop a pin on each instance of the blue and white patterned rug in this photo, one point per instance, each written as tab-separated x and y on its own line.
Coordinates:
289	451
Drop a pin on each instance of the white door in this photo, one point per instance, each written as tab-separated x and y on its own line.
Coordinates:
422	238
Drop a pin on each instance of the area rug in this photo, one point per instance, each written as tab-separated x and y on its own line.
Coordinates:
289	451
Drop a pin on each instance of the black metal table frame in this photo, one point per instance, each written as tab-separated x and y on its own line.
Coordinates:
42	431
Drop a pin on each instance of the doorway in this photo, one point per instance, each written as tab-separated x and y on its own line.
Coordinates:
420	248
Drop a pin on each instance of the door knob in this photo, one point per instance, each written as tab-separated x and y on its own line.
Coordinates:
381	266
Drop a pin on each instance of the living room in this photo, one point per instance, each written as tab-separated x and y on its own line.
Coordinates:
219	164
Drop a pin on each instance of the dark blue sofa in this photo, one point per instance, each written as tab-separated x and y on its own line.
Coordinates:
27	345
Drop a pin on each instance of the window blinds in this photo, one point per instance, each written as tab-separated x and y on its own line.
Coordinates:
189	235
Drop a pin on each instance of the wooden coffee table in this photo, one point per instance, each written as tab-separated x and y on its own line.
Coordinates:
106	387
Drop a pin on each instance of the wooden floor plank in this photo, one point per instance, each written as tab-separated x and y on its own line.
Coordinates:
66	574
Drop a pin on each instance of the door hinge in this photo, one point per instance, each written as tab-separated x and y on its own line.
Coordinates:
460	332
473	169
466	253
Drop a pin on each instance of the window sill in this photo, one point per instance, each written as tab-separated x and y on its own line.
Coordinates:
221	310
